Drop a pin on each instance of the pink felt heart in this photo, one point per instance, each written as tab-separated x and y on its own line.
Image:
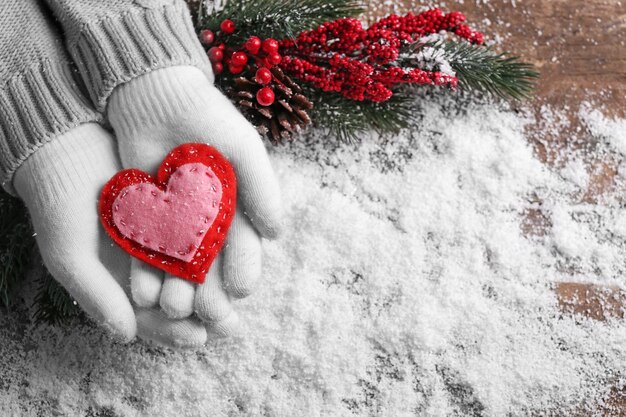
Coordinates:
175	221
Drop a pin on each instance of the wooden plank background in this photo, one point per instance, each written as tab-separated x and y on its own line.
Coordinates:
579	47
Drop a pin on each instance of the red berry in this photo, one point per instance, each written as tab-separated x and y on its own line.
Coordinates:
216	54
227	26
235	69
207	37
218	68
253	45
221	46
263	76
274	58
239	59
265	96
270	45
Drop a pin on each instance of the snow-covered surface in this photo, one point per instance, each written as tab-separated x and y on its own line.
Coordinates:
403	286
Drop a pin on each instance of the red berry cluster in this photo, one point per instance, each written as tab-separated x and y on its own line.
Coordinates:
344	57
254	55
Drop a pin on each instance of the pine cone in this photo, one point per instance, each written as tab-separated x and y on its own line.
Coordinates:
280	121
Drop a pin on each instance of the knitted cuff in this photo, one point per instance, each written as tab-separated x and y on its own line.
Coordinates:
83	155
36	106
158	97
119	48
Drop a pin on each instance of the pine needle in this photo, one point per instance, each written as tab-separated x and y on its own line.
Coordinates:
347	119
16	246
500	74
52	303
278	19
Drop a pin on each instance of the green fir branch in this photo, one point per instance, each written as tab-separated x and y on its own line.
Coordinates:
16	246
500	74
348	119
278	19
52	303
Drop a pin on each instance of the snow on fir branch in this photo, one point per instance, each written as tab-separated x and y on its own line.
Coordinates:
482	69
347	69
478	67
276	18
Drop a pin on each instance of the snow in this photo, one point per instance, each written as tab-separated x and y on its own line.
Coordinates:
404	285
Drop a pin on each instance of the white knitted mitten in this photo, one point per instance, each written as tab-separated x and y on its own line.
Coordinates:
60	184
158	111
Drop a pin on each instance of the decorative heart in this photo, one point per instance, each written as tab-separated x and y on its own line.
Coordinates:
177	221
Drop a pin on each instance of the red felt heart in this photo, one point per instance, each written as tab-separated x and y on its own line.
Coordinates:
178	221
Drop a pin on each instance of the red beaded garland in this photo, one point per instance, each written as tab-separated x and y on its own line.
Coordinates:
270	45
342	56
218	68
239	59
253	45
265	96
216	54
274	58
360	63
227	26
235	69
207	37
263	76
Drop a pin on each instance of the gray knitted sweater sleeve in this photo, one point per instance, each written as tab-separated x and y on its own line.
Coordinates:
100	43
39	96
114	41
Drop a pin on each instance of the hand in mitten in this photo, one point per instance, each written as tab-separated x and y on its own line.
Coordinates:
153	114
60	184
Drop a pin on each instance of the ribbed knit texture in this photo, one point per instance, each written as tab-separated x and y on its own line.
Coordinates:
115	41
39	97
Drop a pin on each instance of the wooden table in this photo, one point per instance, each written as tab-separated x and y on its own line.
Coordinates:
579	46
